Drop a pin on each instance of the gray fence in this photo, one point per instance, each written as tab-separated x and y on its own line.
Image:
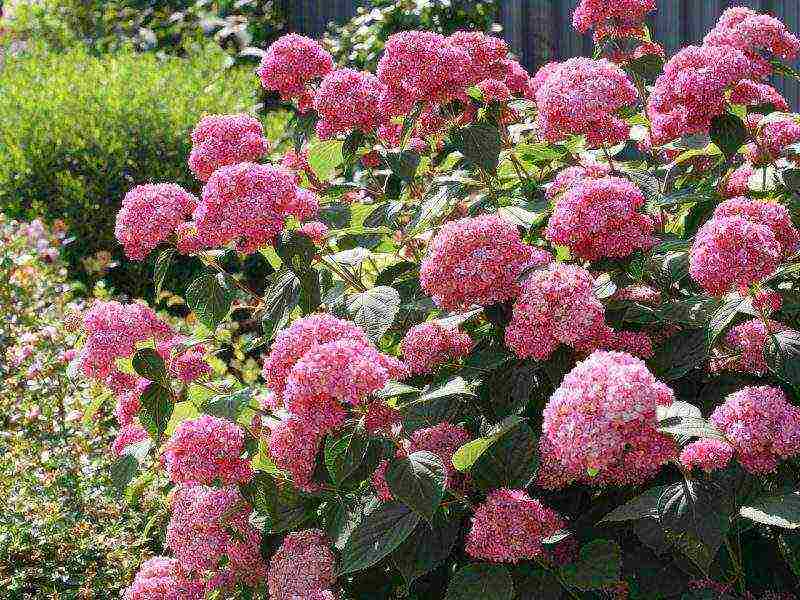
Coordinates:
540	30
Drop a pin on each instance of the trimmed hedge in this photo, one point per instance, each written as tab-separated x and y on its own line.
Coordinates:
78	131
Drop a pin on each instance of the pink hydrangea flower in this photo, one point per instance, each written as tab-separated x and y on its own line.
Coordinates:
600	425
185	364
511	526
568	177
247	203
336	373
292	343
206	449
761	425
640	293
382	419
517	79
738	183
113	330
556	306
378	481
291	63
751	93
128	435
209	524
348	100
746	343
637	343
315	231
129	402
487	54
427	345
582	96
494	90
149	215
598	218
767	301
422	66
732	252
773	215
161	578
302	567
772	140
692	90
756	36
296	161
475	261
595	13
707	454
442	440
293	445
222	140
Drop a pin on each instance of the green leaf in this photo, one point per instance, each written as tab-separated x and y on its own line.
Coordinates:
784	69
296	251
125	467
279	302
325	157
426	547
230	406
157	407
480	143
728	132
481	582
685	351
344	454
419	481
641	507
210	299
378	534
277	506
675	414
511	462
466	455
311	296
374	310
778	511
722	317
782	355
597	567
791	177
351	144
163	261
648	67
403	163
148	364
690	427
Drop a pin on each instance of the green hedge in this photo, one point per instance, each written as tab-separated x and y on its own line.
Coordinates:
79	131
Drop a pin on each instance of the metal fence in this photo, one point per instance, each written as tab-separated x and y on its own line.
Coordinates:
540	30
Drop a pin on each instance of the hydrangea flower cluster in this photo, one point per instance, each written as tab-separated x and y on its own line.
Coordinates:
442	440
602	15
379	484
291	64
128	435
757	36
187	364
348	100
732	252
113	330
476	261
161	578
315	231
427	345
511	526
149	215
293	446
761	425
582	96
209	524
222	140
773	215
751	93
600	424
303	567
557	305
746	342
738	182
570	176
248	203
707	454
772	140
206	450
598	218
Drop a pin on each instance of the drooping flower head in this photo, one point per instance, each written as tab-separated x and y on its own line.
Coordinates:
600	425
222	140
205	450
427	345
732	252
185	363
302	566
475	261
761	425
557	305
291	64
293	446
707	454
773	215
582	96
598	218
751	93
247	204
511	526
692	90
738	183
591	14
348	100
149	215
772	140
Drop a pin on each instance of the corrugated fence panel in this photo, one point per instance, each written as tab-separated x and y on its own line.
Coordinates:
540	31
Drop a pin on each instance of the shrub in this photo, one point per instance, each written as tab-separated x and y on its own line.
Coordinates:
80	130
359	42
589	418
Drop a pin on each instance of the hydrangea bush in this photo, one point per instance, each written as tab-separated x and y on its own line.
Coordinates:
527	335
